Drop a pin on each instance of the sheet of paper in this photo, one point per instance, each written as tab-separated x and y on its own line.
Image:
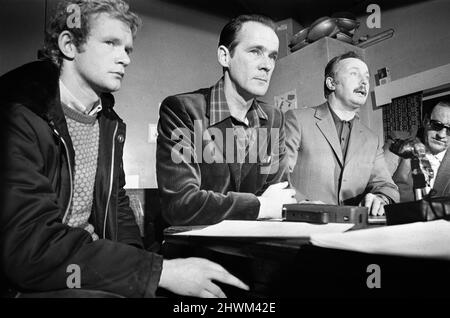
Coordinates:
132	181
421	239
272	228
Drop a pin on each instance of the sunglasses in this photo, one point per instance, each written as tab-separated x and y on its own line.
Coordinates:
438	126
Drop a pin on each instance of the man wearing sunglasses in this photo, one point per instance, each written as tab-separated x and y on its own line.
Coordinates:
436	137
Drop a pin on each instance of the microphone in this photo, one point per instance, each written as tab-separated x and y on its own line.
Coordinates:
406	148
421	170
419	149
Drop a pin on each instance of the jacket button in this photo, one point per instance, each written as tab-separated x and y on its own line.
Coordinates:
120	138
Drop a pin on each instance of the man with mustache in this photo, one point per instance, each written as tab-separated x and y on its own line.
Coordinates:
436	137
333	157
220	152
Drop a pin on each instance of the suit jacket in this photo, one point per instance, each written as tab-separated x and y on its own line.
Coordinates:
317	166
204	184
402	177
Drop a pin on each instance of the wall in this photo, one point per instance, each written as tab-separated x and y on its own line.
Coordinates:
421	41
21	32
174	52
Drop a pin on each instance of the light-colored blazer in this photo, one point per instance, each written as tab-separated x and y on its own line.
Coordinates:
317	168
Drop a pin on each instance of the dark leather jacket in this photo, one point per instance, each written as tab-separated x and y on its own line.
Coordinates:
36	246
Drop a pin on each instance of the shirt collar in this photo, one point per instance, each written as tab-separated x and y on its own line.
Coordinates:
71	101
220	111
337	120
336	116
435	160
441	155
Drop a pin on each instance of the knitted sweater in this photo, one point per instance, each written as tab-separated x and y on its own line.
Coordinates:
84	132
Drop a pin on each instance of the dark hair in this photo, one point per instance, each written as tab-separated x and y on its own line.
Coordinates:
331	68
64	13
231	29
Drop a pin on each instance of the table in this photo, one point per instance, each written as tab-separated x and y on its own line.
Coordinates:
293	268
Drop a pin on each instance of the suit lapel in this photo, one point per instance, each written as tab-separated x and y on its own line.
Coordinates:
443	175
328	129
356	140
